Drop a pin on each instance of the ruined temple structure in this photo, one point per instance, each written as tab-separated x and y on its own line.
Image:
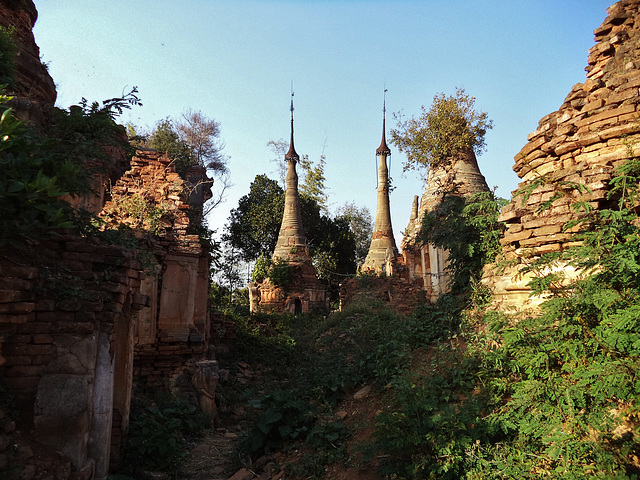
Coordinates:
383	253
595	130
82	321
304	292
34	90
426	264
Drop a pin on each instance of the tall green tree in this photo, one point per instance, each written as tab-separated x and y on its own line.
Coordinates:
253	227
450	126
361	226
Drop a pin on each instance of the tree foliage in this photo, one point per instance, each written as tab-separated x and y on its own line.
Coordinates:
361	225
194	140
8	52
253	226
468	228
165	138
37	169
450	126
202	136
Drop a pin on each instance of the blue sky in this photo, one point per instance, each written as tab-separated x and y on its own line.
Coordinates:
235	60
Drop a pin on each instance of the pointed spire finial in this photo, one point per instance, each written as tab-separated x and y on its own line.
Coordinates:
383	148
291	154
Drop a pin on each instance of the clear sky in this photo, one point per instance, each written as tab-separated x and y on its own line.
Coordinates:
235	60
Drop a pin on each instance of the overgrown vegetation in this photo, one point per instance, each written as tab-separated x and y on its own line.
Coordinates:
450	126
468	228
549	396
36	170
8	51
161	428
474	393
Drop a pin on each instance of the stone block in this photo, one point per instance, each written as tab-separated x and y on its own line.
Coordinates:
24	371
618	130
593	105
62	414
22	383
13	318
17	307
55	317
7	296
537	241
517	237
607	114
18	360
547	230
530	147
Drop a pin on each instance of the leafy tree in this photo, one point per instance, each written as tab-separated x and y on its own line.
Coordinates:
361	225
194	140
254	225
450	126
469	229
165	138
331	244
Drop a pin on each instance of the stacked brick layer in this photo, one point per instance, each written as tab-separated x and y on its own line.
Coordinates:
595	130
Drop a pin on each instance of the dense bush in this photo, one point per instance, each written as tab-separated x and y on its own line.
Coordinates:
36	170
159	426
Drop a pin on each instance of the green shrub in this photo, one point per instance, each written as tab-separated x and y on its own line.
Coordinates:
158	424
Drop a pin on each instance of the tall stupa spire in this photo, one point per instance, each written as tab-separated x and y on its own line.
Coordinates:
292	241
383	250
383	148
291	154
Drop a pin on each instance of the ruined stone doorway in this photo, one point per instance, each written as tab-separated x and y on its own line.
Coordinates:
297	306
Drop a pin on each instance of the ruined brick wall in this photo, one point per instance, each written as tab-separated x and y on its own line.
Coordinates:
78	317
595	130
63	306
151	197
395	292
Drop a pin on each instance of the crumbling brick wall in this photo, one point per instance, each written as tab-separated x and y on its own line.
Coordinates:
63	305
595	130
396	292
